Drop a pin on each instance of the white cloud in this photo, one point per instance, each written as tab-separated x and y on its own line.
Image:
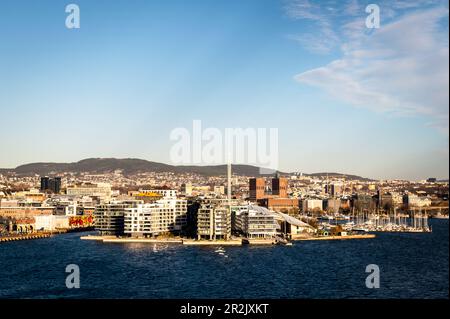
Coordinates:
324	39
400	69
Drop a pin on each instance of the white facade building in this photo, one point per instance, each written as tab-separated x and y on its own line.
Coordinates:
165	193
312	204
256	222
51	222
162	216
214	221
414	200
100	190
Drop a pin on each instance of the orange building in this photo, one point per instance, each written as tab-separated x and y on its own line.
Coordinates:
279	187
278	200
257	188
279	204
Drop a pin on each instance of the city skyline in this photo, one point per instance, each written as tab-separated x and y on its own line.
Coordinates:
158	170
344	98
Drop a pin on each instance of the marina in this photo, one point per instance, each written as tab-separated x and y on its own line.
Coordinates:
413	222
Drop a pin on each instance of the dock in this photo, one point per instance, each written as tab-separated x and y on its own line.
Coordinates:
190	242
24	237
232	242
143	240
183	241
362	236
113	239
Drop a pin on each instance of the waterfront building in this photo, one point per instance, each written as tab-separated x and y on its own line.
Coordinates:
293	228
159	217
256	222
213	221
109	218
50	222
236	220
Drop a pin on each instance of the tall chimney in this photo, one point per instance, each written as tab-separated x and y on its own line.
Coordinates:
229	183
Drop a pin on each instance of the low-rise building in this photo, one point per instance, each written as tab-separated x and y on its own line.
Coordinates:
51	222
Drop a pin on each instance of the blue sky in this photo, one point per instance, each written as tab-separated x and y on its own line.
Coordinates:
344	98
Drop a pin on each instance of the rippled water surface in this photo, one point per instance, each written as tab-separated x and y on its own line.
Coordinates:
411	265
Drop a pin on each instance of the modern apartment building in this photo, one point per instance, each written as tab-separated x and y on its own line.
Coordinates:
213	221
151	219
109	218
236	220
256	222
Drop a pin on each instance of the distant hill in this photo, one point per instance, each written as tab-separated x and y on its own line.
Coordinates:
340	175
131	166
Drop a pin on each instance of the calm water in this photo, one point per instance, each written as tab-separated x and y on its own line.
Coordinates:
412	266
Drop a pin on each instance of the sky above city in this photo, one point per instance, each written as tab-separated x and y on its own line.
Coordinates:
345	98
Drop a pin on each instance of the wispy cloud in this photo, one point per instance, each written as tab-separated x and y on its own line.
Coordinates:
324	39
400	69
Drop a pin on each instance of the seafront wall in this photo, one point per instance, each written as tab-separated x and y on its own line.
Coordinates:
23	237
363	236
233	242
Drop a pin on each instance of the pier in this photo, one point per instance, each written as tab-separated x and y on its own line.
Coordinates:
24	237
359	236
188	242
232	242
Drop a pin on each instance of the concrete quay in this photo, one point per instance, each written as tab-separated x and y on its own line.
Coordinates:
23	237
362	236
